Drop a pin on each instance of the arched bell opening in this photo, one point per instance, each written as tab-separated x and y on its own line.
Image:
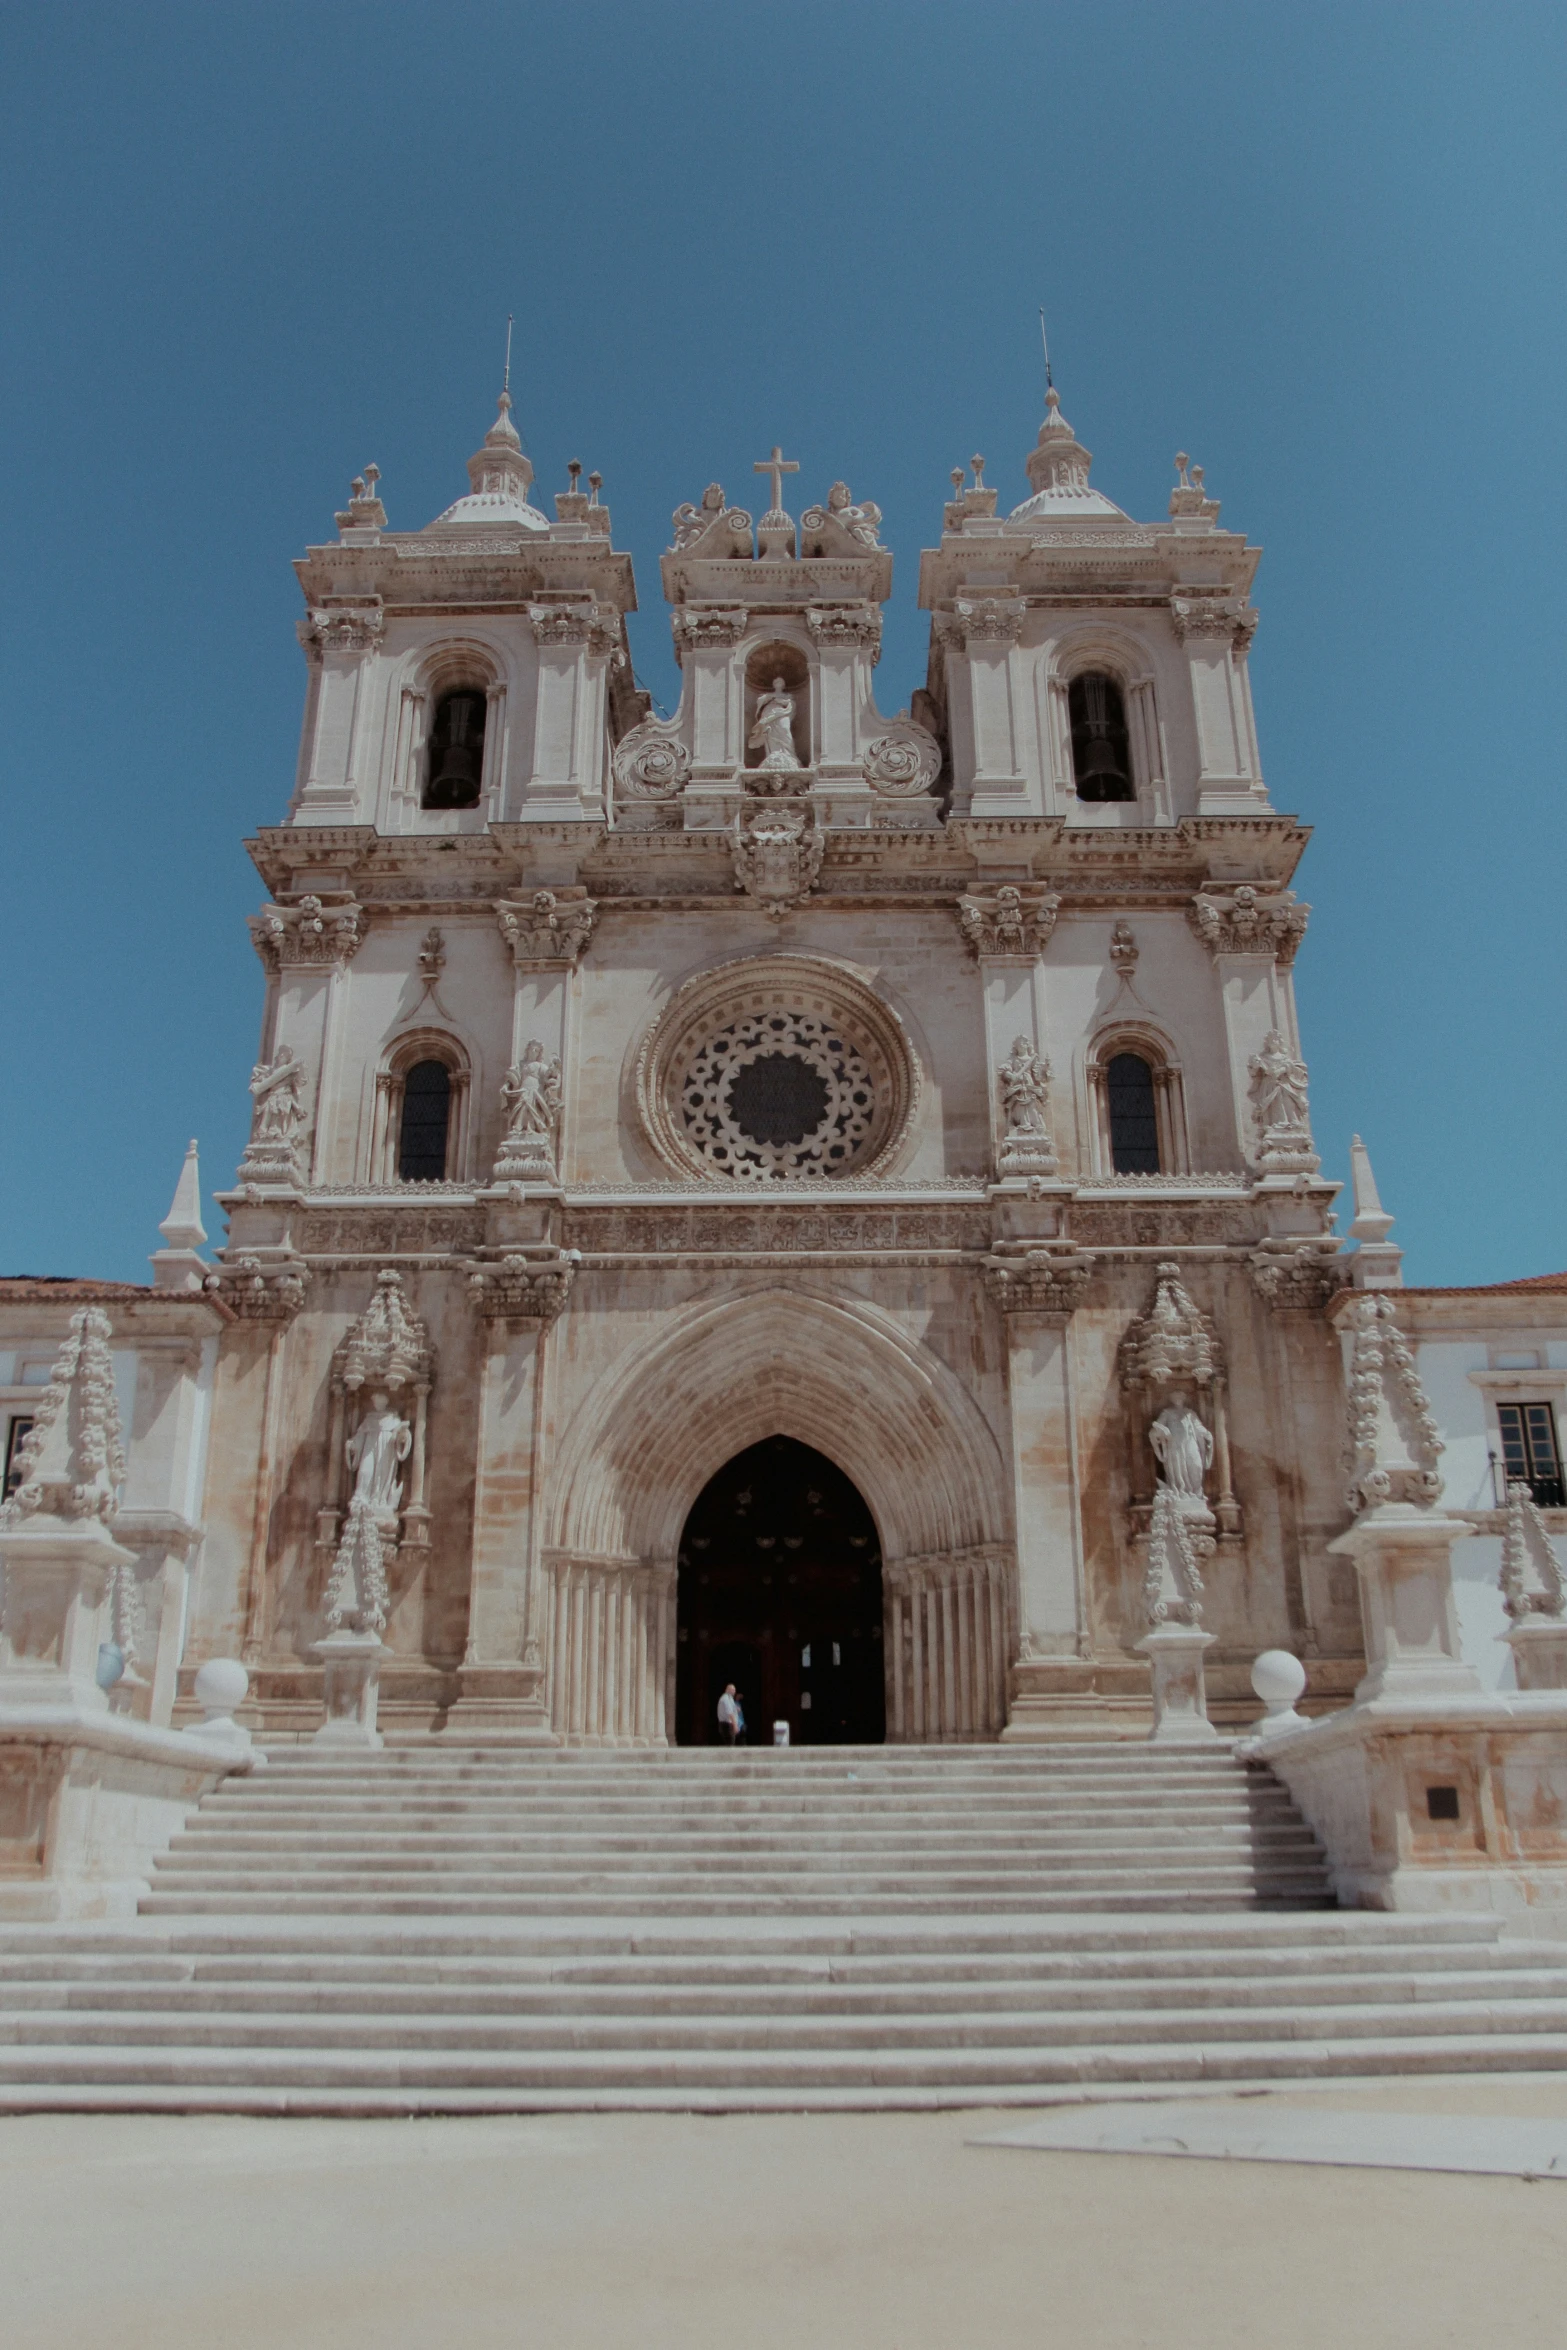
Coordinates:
779	1592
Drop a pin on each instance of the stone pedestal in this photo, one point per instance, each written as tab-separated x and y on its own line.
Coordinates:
502	1701
1540	1652
1403	1555
1175	1655
87	1802
351	1663
57	1574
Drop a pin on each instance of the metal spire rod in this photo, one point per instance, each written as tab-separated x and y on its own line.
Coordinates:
506	379
1050	381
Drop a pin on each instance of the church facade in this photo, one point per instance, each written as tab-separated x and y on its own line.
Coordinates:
774	1194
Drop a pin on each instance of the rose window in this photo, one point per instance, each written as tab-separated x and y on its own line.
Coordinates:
777	1066
779	1093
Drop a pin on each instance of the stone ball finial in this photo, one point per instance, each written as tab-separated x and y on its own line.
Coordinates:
221	1684
1278	1679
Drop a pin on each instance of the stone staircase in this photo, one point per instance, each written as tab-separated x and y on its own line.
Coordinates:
451	1930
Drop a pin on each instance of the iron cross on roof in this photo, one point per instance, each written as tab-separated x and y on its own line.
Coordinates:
777	465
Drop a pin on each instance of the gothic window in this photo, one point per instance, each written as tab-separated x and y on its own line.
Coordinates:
1101	746
456	750
1134	1116
1530	1451
422	1128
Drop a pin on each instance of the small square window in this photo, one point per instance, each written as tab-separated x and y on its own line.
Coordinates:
1442	1803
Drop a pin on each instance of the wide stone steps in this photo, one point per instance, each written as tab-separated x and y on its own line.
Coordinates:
455	1930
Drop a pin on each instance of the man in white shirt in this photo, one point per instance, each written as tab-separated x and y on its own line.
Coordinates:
730	1719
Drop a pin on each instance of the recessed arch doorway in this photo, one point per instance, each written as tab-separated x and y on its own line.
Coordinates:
780	1591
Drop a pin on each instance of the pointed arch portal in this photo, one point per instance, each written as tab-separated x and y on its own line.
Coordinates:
779	1591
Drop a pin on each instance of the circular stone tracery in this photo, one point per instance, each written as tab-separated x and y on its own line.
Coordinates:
780	1066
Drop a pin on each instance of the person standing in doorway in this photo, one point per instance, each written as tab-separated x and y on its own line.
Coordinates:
730	1719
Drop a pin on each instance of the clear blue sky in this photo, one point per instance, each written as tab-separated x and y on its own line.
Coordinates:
252	247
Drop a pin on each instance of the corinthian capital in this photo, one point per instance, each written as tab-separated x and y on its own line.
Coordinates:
845	627
558	626
260	1289
1014	920
701	628
519	1288
1229	619
342	628
550	928
307	933
1244	921
990	622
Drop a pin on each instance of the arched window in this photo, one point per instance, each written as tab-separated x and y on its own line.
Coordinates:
456	750
1101	746
423	1126
1134	1115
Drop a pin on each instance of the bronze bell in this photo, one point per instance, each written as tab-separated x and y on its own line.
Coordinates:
1100	774
457	753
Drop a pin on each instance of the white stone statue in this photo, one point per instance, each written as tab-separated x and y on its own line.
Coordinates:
277	1089
1278	1088
376	1452
773	732
532	1095
1025	1091
861	522
1183	1447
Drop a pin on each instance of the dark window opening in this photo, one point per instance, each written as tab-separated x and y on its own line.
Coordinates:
777	1098
19	1428
1530	1453
1134	1121
456	751
1101	746
427	1109
1442	1803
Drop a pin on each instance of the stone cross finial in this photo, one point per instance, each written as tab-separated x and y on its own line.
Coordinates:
777	465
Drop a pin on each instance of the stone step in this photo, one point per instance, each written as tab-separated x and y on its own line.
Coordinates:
331	2080
329	1849
958	1995
763	1879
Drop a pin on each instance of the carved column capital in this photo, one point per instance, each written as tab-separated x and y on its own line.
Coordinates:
1302	1282
257	1289
707	628
988	624
548	930
845	628
1040	1282
342	628
563	626
307	933
524	1288
1013	922
1221	619
1247	921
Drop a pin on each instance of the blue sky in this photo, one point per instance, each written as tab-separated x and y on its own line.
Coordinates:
252	248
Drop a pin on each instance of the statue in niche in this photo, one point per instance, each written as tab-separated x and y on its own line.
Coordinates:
1183	1448
1025	1091
277	1089
773	732
532	1096
1278	1087
376	1452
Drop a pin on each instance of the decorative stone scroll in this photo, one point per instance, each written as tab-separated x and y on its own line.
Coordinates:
1245	922
1013	922
902	762
72	1461
651	762
1393	1445
548	930
524	1288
